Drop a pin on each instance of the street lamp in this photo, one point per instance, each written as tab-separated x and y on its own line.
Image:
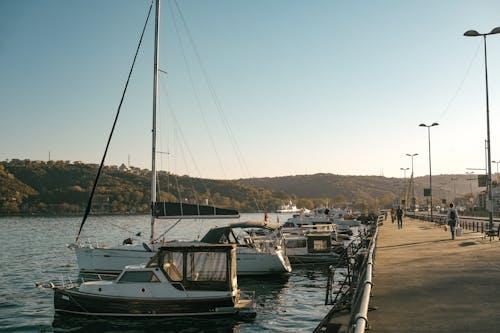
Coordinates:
430	168
406	189
454	180
470	179
496	162
412	205
474	33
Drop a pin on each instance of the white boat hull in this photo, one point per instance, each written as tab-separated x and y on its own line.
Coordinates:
110	260
114	260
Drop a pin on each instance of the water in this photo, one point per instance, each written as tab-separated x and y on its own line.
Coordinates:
35	250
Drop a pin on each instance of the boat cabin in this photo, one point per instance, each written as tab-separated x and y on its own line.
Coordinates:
194	267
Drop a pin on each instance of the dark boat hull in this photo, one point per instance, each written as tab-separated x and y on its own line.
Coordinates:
74	302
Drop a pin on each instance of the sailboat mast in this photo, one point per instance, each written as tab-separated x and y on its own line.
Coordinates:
153	132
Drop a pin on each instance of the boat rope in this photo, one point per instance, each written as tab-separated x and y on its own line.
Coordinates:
193	87
89	203
170	228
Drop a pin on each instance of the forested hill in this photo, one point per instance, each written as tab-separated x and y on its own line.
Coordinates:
364	188
59	187
62	187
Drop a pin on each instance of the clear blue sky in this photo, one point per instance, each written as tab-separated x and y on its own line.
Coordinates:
305	86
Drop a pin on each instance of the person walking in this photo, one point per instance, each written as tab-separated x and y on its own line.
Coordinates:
452	219
393	214
399	214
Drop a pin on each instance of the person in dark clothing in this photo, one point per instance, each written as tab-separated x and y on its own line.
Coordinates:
399	214
452	219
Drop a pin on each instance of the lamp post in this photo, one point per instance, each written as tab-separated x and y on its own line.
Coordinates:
470	179
496	162
454	180
412	205
474	33
430	165
406	190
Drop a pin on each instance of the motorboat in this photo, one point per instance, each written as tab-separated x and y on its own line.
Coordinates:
314	244
182	280
289	207
260	246
323	216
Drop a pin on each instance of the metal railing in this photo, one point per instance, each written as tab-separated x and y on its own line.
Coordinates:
353	293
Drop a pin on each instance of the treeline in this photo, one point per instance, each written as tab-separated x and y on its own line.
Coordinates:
61	187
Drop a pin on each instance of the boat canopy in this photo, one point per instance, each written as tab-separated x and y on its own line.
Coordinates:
200	266
225	234
176	210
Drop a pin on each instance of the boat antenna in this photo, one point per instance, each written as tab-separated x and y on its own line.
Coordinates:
153	131
89	203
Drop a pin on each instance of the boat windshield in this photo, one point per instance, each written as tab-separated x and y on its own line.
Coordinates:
138	276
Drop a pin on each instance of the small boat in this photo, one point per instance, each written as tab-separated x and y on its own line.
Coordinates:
260	249
313	244
180	281
289	207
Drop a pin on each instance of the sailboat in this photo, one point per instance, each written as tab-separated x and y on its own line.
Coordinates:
95	258
179	280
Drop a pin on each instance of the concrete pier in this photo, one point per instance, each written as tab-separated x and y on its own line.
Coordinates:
426	282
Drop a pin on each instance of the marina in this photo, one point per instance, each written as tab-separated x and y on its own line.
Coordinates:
282	302
220	166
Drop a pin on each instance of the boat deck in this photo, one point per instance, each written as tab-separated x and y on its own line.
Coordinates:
426	282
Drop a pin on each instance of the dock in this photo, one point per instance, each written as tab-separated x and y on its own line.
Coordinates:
426	282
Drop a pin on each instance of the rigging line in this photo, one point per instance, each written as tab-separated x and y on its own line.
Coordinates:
185	147
195	92
217	102
462	82
89	203
232	138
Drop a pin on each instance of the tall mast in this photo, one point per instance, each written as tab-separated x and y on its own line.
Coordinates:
153	132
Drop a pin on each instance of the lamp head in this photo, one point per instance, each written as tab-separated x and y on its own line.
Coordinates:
472	33
495	31
434	124
423	125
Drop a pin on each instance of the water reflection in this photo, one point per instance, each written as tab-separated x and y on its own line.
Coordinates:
71	323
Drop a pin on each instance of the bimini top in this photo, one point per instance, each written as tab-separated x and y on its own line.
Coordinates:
221	235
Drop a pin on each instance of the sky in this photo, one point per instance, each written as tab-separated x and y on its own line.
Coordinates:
253	88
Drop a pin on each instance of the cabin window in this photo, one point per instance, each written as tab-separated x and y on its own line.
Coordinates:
320	245
295	243
206	266
173	266
138	276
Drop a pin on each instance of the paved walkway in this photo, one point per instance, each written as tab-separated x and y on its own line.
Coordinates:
426	282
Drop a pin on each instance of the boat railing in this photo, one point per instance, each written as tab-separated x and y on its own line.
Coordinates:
86	243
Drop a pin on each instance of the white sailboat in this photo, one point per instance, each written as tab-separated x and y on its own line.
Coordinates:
94	258
180	280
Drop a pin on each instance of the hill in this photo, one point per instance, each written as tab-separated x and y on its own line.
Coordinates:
62	187
358	189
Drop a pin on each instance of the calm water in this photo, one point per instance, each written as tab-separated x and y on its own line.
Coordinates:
35	250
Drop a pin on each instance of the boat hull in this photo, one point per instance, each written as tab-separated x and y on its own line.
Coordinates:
114	260
249	264
71	301
314	259
110	260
